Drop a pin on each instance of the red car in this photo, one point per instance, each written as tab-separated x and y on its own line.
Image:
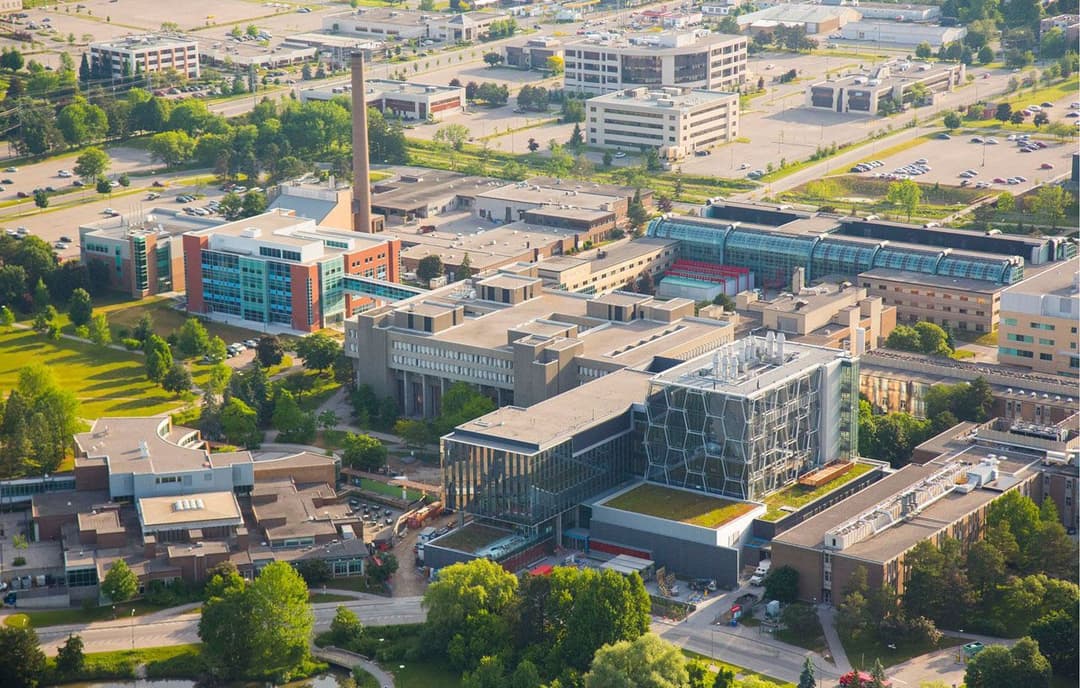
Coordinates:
1046	166
999	180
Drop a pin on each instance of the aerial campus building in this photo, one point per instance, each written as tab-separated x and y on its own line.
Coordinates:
752	418
946	276
725	428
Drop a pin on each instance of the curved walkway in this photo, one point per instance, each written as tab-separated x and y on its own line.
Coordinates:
348	660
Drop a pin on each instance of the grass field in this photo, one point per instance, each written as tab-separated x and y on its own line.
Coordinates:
370	485
59	617
737	670
695	508
798	496
424	675
105	381
862	653
868	194
125	314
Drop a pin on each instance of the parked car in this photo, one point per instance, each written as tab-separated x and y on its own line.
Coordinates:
1046	166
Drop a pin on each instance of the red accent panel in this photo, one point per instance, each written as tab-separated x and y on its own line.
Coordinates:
610	548
193	246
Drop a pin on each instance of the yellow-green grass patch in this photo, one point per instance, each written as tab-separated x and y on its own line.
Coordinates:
106	382
695	508
798	496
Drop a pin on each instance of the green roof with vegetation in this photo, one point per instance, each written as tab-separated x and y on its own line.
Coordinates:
695	508
471	537
798	496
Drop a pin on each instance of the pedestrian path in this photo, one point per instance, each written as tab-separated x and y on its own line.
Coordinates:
827	617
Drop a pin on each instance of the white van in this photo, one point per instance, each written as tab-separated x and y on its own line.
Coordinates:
761	572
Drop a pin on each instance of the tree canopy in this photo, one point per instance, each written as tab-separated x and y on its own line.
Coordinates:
261	630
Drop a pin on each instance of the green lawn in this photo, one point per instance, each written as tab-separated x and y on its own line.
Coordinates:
59	617
696	508
124	315
1025	97
356	584
862	653
798	496
323	597
105	381
737	670
423	675
175	661
371	485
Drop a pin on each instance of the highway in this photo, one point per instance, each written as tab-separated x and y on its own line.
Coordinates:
172	628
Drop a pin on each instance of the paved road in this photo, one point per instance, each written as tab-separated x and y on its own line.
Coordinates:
169	628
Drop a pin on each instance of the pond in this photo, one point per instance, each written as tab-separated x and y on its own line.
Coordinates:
327	680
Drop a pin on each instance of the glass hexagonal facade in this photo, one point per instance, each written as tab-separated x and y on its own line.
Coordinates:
723	438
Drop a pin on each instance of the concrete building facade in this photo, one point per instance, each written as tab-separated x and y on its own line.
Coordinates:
515	341
675	121
147	53
694	59
407	100
1039	320
864	93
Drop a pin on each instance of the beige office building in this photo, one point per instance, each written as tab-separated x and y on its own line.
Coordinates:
955	302
1039	318
676	121
617	266
689	59
516	341
150	53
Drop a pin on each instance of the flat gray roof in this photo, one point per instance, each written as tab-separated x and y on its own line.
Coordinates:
559	418
760	372
892	541
918	278
405	196
1062	279
119	440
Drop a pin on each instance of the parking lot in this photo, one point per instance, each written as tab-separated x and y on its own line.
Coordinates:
947	159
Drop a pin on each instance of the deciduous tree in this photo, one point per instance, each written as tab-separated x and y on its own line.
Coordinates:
120	583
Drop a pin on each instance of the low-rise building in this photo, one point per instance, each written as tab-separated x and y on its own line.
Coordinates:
952	302
695	59
145	54
153	495
813	18
676	121
875	528
143	256
864	92
532	52
513	202
895	381
403	99
514	340
280	270
617	266
892	33
834	315
387	23
1039	320
894	12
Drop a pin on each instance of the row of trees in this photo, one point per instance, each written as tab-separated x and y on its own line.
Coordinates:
31	275
893	436
37	421
571	628
922	337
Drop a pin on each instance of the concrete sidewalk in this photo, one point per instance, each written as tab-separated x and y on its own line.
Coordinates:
827	617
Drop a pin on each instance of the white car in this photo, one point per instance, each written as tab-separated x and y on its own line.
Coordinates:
63	173
620	154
